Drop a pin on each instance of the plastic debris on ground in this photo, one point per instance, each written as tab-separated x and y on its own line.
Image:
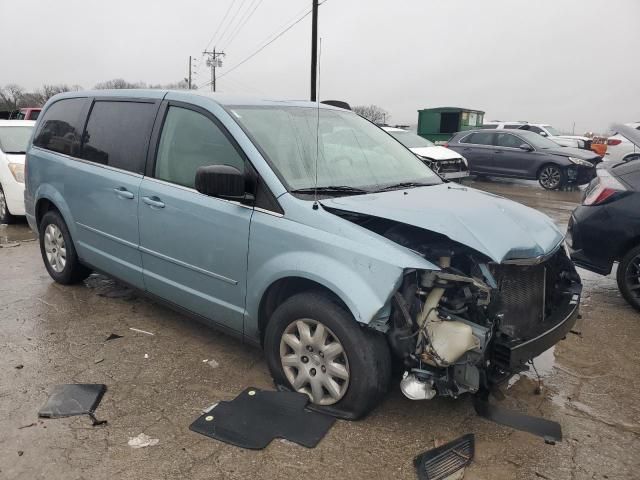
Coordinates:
143	440
74	399
448	461
255	417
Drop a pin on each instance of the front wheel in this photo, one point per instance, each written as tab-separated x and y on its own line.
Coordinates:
551	177
314	346
58	252
628	277
5	215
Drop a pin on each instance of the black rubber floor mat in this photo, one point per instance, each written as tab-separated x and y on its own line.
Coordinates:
256	417
74	399
445	460
549	430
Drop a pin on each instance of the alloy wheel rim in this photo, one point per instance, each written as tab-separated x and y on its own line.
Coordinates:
632	276
314	361
550	177
3	205
55	248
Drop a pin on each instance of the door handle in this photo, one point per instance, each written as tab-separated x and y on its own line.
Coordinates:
153	202
124	193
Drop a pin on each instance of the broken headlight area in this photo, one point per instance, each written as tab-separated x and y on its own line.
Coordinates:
474	323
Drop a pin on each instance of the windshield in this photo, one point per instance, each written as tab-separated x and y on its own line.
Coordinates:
15	139
538	141
352	152
410	140
552	130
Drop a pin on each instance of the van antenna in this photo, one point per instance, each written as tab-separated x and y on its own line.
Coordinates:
315	185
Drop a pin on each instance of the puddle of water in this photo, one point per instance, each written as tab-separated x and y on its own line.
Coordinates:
544	363
107	287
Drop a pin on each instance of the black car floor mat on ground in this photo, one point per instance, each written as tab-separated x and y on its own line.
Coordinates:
549	430
255	417
441	462
74	399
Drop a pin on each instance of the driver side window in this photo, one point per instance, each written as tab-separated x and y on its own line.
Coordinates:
190	140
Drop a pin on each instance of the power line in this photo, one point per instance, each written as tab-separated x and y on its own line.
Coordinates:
265	45
220	24
233	19
241	25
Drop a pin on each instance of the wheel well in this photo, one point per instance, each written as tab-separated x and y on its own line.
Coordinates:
628	245
42	207
285	288
630	155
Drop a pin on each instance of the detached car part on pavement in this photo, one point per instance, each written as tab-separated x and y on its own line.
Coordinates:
306	230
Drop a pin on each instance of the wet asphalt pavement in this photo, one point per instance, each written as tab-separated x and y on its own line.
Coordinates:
158	384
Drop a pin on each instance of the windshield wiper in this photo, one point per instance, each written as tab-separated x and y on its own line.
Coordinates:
331	189
396	186
15	153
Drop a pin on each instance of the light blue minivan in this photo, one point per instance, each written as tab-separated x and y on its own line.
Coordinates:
304	229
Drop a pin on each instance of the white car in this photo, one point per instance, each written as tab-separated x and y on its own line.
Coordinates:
14	137
444	161
545	130
620	149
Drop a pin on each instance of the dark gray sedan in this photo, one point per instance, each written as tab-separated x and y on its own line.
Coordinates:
526	155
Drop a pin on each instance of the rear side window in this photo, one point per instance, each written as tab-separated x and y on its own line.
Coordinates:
508	140
118	134
190	140
61	127
514	125
479	138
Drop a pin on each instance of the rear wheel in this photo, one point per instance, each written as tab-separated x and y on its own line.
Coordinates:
5	215
551	177
628	277
314	346
59	254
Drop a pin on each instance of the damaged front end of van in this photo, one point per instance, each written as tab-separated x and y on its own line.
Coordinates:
504	291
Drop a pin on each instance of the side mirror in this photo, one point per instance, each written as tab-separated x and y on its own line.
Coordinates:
223	181
526	147
544	134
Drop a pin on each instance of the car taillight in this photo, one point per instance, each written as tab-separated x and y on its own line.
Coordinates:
606	189
614	141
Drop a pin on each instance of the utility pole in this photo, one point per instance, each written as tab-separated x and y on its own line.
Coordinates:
314	49
189	72
214	60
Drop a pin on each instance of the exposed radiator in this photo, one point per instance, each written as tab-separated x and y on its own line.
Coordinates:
522	297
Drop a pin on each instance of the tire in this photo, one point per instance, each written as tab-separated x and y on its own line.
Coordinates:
5	215
58	252
366	359
551	177
628	277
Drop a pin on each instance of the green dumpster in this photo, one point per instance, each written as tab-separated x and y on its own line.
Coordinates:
439	124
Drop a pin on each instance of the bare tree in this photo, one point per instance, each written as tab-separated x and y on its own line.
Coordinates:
118	83
11	96
373	113
48	91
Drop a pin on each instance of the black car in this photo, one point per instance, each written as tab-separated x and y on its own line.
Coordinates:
524	154
606	227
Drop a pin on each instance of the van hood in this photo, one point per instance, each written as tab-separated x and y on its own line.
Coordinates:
496	227
436	153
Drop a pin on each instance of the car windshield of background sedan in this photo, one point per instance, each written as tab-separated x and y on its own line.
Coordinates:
351	152
552	130
538	141
411	140
14	139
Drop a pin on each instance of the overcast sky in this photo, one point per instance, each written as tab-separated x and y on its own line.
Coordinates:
554	61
